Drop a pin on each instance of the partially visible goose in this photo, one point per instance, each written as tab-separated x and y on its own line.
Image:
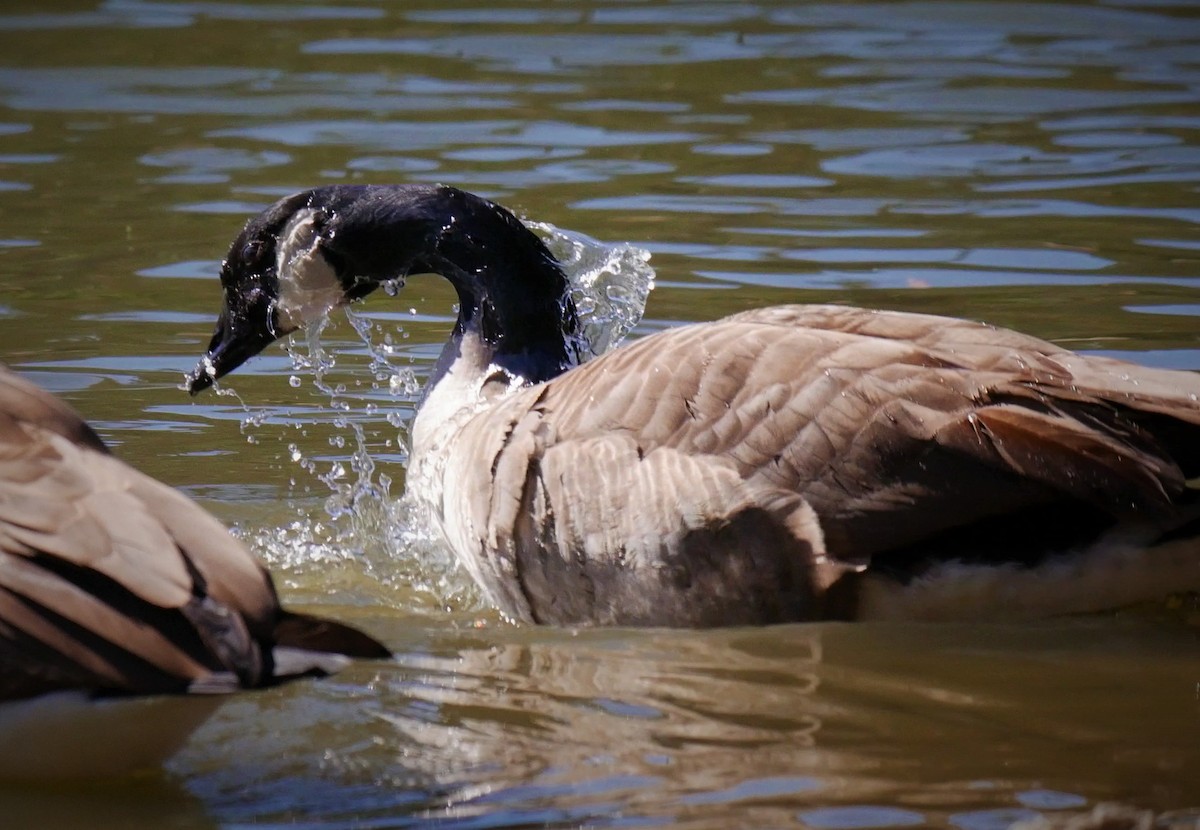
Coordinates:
112	585
789	463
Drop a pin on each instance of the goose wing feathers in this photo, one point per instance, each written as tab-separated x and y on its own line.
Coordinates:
595	529
110	580
848	436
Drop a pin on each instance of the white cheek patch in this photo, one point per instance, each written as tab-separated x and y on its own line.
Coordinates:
308	287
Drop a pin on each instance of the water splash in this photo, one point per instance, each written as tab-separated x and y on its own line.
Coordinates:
365	528
610	283
376	553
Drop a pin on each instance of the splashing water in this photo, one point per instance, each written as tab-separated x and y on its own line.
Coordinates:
609	283
365	527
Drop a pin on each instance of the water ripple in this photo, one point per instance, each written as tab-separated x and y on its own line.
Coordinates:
229	91
431	135
144	14
533	54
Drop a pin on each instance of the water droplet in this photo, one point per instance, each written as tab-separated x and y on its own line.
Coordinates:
294	381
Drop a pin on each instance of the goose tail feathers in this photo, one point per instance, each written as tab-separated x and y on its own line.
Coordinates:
324	640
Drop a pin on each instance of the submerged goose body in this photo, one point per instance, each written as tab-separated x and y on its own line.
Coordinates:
113	584
794	462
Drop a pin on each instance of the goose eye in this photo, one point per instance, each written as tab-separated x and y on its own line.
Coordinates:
251	250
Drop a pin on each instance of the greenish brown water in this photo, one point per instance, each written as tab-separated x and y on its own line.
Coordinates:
1035	165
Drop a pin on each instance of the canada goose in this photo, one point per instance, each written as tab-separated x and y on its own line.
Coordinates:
787	463
113	584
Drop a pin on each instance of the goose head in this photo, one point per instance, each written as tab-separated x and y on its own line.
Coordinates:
329	246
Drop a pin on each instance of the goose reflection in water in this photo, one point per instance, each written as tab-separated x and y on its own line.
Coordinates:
530	726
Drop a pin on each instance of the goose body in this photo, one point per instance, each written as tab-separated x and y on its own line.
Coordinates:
793	462
114	585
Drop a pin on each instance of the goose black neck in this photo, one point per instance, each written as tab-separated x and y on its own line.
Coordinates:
510	287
